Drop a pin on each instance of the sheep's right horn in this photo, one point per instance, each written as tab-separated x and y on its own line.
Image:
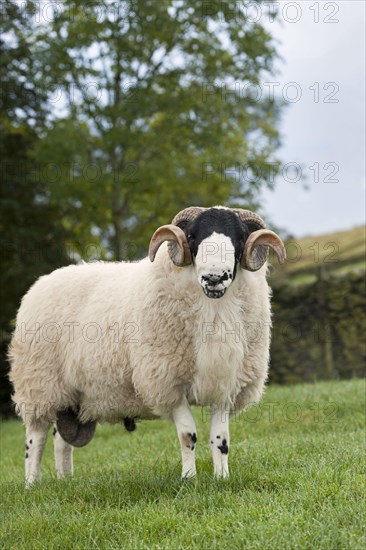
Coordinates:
257	246
180	253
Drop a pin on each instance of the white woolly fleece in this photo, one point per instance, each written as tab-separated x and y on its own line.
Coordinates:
130	339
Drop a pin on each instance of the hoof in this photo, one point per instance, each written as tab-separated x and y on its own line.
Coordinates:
72	430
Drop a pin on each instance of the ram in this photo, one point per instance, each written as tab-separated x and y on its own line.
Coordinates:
112	342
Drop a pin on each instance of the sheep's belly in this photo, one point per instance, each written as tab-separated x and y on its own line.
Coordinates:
112	404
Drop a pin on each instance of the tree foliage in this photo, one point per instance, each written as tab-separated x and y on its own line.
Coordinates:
31	240
155	109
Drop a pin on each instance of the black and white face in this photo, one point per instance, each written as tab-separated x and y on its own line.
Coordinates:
216	240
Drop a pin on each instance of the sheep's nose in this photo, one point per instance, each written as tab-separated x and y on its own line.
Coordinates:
212	280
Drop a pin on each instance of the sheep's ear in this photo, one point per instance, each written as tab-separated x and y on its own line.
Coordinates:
178	246
257	246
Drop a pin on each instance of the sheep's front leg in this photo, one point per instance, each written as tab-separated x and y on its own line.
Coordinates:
186	430
34	445
63	455
220	441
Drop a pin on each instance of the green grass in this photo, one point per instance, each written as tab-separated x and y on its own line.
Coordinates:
297	481
337	253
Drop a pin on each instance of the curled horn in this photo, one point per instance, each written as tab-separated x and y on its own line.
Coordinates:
257	245
187	215
181	220
180	253
178	247
250	218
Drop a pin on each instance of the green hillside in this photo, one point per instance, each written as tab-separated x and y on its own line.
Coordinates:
335	253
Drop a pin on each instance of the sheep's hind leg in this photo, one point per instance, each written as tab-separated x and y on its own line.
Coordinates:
220	441
35	442
186	430
63	455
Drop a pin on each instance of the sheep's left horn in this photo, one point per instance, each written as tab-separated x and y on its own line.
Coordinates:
257	247
180	252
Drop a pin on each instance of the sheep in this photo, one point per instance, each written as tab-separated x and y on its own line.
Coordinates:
118	341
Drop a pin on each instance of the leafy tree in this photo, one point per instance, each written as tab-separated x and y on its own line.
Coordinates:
31	242
155	107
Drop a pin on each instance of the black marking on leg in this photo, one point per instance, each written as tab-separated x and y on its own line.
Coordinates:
130	424
193	438
54	431
26	447
26	455
218	437
211	442
30	442
224	447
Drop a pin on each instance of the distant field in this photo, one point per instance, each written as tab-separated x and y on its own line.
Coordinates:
297	482
337	253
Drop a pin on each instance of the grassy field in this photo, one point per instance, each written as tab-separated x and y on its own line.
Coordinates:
297	481
338	253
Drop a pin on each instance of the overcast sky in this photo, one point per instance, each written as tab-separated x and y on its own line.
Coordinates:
324	131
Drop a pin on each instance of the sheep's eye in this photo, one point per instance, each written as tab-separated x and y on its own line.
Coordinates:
190	237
